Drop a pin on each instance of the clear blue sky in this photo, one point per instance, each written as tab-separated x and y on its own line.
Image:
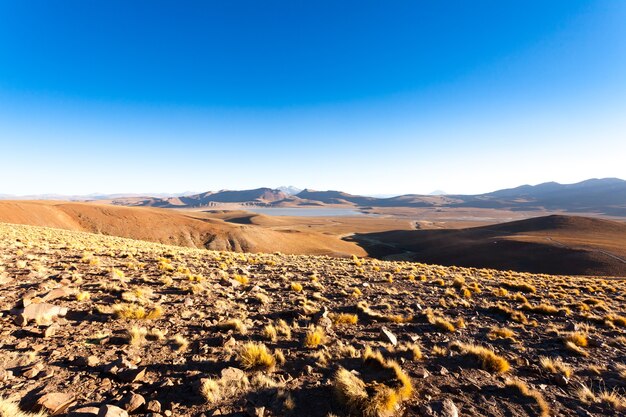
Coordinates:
363	96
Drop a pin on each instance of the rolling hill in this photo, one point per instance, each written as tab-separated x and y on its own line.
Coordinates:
190	229
551	244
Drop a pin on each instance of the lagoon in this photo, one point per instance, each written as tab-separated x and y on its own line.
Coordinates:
305	212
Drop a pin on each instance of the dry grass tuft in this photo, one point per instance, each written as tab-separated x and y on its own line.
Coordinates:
256	356
521	388
376	398
314	337
501	333
270	333
137	335
210	390
135	312
345	318
235	325
556	366
180	343
577	338
11	409
487	358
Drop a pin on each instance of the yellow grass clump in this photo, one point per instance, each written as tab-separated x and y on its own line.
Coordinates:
345	318
314	337
486	358
233	324
556	366
501	333
521	388
256	356
137	335
380	397
135	312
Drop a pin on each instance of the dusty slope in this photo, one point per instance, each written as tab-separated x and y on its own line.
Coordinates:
190	229
550	244
549	345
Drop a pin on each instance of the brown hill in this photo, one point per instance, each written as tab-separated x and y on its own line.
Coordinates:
260	196
191	229
552	244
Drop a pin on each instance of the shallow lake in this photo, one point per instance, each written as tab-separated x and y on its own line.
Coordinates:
306	212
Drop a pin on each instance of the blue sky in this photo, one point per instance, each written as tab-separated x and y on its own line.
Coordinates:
364	96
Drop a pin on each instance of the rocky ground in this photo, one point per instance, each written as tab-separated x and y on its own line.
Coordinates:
102	326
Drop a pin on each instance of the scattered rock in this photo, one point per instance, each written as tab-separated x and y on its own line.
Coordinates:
560	380
154	406
445	408
84	412
50	331
90	361
255	411
33	370
388	336
131	375
56	402
111	411
59	293
132	402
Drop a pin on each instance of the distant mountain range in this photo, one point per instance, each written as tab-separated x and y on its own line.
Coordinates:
603	196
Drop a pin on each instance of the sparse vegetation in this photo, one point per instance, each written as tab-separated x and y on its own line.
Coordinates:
203	314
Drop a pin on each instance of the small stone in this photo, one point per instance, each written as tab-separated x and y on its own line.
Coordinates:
84	412
58	293
230	375
33	370
449	409
131	375
422	373
255	411
56	402
388	336
111	411
154	406
89	361
560	380
5	375
445	408
132	402
443	371
50	331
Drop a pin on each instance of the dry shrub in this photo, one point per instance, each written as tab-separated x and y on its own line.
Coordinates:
521	388
314	337
486	358
11	409
556	366
256	356
370	397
